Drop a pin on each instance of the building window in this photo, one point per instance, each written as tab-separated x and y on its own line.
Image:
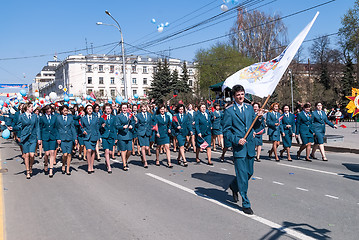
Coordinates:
190	83
144	69
100	68
134	81
112	68
134	92
112	80
113	92
89	91
89	80
89	68
123	92
145	81
122	82
134	69
100	80
102	92
190	71
121	69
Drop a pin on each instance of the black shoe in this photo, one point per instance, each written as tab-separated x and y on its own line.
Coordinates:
89	172
109	172
63	171
257	159
312	156
234	194
248	211
69	173
307	160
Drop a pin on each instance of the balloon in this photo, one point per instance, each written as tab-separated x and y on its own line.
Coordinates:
235	2
167	24
78	100
37	94
83	103
1	102
119	99
160	29
2	123
135	96
53	96
7	101
5	104
101	104
73	102
110	101
125	100
153	21
92	99
6	134
84	95
23	92
88	97
224	8
162	25
138	102
66	103
47	98
66	98
42	100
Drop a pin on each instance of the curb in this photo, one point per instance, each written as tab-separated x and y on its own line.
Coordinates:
328	148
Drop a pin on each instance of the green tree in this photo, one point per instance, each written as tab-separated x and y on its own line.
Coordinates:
177	84
217	63
185	78
160	85
348	80
349	34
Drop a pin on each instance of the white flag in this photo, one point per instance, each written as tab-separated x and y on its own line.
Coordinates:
261	79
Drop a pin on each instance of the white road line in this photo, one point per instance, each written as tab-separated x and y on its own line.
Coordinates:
258	178
279	183
253	217
309	169
302	189
330	196
114	160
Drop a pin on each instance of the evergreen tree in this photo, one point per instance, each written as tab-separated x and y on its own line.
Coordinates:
161	84
348	80
184	79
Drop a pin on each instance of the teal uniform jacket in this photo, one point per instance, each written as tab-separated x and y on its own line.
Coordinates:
110	130
272	119
144	126
29	128
203	125
48	128
288	131
319	122
217	119
235	126
91	128
163	125
186	125
304	125
121	121
66	129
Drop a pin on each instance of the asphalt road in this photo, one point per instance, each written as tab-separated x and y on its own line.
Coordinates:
291	200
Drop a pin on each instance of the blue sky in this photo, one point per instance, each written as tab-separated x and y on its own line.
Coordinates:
29	28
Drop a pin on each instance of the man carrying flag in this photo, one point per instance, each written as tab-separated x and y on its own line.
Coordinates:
237	119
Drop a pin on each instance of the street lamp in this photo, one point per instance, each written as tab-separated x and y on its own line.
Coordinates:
123	49
291	87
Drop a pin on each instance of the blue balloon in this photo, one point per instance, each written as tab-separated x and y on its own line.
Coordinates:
153	20
92	99
1	102
7	101
110	101
73	102
88	97
139	102
66	98
125	100
66	103
23	92
6	134
135	96
119	99
167	24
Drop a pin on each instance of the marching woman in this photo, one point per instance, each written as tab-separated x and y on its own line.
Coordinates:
97	113
319	121
191	138
273	123
108	133
217	127
288	131
182	127
65	125
28	124
48	136
90	128
124	124
163	131
80	135
134	133
203	125
304	129
144	131
259	130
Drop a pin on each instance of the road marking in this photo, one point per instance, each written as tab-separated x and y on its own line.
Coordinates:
330	196
253	217
279	183
114	160
224	169
302	189
309	169
258	178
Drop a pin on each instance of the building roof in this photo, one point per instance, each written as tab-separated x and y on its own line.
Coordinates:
49	68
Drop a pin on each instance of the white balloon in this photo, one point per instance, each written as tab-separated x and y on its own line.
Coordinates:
78	101
160	29
224	8
37	94
53	96
47	98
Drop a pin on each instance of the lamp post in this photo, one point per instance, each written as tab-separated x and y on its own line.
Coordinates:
123	50
291	87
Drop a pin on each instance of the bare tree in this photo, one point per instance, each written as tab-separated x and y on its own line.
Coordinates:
258	35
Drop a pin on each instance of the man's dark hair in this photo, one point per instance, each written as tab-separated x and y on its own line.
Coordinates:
237	88
307	105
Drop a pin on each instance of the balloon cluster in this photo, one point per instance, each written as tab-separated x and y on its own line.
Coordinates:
225	8
161	26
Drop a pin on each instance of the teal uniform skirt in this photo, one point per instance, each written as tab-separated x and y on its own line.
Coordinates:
144	141
124	145
108	143
66	146
49	145
90	144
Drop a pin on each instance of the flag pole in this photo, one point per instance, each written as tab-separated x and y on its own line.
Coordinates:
254	121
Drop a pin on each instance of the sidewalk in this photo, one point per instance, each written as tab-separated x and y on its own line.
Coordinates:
350	143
